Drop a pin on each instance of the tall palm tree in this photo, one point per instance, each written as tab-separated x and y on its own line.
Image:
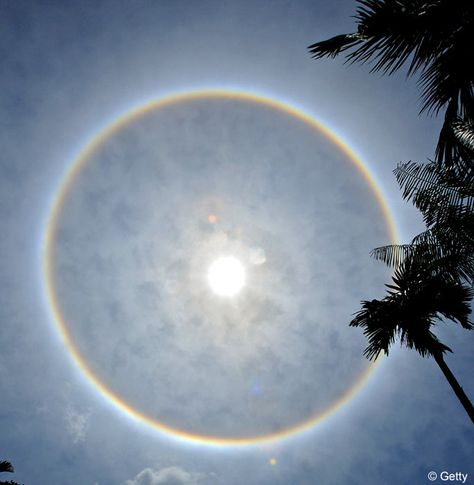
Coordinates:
416	299
434	37
434	274
6	466
441	259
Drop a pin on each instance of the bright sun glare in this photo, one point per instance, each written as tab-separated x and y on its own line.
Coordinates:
226	276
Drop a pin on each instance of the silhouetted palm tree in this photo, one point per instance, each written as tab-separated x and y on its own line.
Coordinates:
435	272
441	259
6	466
416	299
434	37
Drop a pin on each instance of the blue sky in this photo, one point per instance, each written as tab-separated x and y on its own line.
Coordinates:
123	265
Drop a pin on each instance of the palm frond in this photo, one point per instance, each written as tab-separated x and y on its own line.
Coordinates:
424	342
335	45
426	250
446	255
394	31
380	326
464	133
415	178
445	205
416	298
455	147
438	193
446	148
6	466
393	254
433	38
452	301
439	251
449	76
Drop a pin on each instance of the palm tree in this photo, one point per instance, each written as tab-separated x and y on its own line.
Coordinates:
441	259
434	274
434	37
6	466
416	299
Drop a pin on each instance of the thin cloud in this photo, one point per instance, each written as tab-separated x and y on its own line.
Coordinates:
171	476
77	424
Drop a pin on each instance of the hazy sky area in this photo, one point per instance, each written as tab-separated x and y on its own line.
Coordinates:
133	240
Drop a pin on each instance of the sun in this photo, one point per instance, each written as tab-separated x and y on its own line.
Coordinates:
226	276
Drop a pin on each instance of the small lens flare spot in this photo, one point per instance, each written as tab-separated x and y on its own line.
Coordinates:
257	256
257	389
212	219
273	461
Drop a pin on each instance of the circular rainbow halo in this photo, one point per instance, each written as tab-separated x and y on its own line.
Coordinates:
205	268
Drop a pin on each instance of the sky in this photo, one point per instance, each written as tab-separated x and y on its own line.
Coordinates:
119	365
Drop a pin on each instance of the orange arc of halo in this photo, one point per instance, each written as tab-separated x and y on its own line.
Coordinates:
59	320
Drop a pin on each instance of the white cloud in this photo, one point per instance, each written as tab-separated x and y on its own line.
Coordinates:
169	476
77	424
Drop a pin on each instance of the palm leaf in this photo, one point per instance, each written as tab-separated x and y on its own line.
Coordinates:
392	255
6	466
394	31
430	37
449	76
439	253
435	191
380	326
416	299
464	133
335	45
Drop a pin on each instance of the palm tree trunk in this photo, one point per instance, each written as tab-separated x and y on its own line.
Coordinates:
458	390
